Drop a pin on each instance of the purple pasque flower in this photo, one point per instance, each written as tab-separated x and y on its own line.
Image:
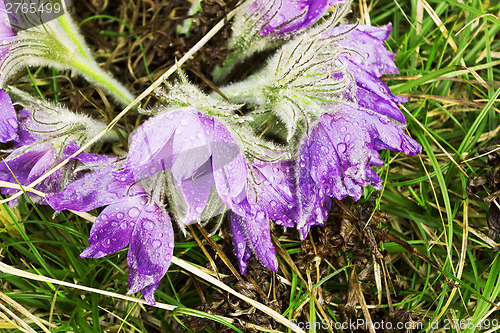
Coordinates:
272	194
8	120
132	217
367	59
279	17
205	161
335	158
43	143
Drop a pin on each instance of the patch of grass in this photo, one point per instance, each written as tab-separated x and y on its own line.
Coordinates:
416	254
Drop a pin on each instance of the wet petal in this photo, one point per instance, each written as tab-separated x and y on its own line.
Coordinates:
274	191
21	162
365	47
190	144
150	252
112	228
229	167
8	118
258	236
283	16
314	205
95	189
191	195
150	149
86	158
241	247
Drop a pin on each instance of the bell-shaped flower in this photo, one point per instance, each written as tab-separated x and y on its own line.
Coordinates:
335	158
206	163
47	136
132	217
38	41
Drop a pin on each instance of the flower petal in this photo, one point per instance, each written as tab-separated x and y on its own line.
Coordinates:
366	48
21	162
274	188
258	237
8	118
150	252
241	247
191	195
314	205
284	16
95	189
150	149
190	145
229	167
86	158
113	227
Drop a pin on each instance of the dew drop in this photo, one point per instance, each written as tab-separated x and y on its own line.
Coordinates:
384	120
341	147
156	243
148	225
171	245
103	217
150	209
199	210
120	216
134	212
273	203
240	245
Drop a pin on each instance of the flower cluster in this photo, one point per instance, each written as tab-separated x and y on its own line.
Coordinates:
200	156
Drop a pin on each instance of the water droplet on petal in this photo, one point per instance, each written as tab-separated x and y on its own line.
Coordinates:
134	212
148	225
156	243
120	216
